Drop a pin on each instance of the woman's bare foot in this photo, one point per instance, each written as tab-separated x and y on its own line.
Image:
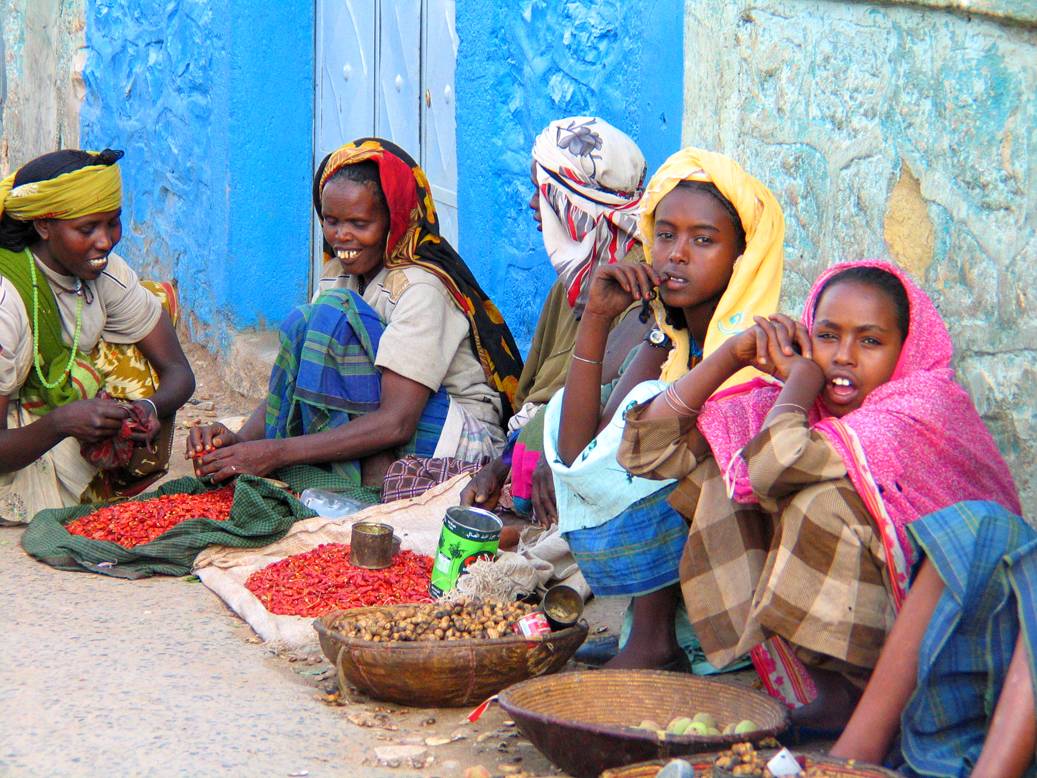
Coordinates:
645	658
652	643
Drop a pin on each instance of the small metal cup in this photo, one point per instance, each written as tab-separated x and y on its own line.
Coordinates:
563	606
371	545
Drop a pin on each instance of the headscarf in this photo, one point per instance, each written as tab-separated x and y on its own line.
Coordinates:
91	189
915	445
590	177
755	284
414	241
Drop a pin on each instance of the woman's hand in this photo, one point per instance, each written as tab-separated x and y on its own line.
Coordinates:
786	344
772	345
614	287
483	491
254	457
147	435
90	421
545	507
201	440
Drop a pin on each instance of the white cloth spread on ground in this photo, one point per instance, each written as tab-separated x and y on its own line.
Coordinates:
417	521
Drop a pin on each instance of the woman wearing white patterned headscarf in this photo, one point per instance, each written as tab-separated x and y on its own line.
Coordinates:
589	179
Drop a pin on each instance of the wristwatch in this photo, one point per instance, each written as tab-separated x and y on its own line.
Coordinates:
658	339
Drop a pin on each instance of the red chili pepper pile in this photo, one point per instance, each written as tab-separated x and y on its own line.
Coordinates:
322	580
134	523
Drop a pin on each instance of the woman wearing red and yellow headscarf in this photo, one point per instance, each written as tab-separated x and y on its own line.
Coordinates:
78	330
400	352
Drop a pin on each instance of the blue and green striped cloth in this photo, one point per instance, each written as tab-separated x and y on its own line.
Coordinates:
325	375
987	558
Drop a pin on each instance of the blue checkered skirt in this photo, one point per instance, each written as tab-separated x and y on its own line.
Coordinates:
637	552
987	559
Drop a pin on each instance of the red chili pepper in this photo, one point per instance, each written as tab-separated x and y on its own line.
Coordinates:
133	523
322	580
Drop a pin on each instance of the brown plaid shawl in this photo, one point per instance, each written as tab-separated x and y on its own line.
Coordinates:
805	563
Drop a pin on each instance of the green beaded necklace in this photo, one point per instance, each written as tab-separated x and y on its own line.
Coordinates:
36	326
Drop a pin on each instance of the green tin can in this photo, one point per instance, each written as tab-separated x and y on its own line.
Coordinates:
468	534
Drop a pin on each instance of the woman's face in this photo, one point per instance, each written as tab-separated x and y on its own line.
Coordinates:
695	248
356	225
534	201
79	247
856	342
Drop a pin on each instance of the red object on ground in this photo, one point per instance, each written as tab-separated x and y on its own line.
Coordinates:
532	625
322	580
132	523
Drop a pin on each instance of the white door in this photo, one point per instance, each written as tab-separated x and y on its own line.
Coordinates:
386	68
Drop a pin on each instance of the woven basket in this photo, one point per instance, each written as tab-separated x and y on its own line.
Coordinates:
440	673
584	721
703	766
835	768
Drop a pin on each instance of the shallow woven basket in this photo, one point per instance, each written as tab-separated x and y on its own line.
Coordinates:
584	721
440	673
835	768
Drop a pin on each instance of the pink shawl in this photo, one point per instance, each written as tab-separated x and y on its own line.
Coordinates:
915	446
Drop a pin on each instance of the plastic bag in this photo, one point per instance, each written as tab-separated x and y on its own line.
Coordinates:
329	504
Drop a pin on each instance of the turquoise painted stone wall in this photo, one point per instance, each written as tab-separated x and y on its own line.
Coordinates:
521	65
217	128
904	130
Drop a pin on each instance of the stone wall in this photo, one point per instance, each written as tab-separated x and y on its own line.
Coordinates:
521	65
41	82
904	130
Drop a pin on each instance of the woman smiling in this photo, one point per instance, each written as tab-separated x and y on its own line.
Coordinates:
400	351
76	330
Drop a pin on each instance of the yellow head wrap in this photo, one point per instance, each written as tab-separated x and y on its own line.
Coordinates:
90	189
756	281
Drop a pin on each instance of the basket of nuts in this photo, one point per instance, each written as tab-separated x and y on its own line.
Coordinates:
441	654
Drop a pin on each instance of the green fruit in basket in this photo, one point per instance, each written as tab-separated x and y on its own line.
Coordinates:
705	718
678	726
729	729
697	728
649	724
746	725
712	731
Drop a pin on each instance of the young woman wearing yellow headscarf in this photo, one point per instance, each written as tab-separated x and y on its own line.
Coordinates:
712	236
70	311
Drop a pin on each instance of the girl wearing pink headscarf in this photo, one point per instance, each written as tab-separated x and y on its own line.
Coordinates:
799	487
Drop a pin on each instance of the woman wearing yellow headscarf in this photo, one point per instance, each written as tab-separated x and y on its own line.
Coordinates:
71	312
712	236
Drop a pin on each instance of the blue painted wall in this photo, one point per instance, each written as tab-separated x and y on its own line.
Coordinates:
217	127
521	65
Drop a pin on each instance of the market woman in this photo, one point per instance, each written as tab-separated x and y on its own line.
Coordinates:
77	331
400	352
587	178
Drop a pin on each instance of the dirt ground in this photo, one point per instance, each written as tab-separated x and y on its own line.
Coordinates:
159	677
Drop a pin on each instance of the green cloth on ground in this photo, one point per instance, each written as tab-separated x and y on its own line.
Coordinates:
261	514
300	477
